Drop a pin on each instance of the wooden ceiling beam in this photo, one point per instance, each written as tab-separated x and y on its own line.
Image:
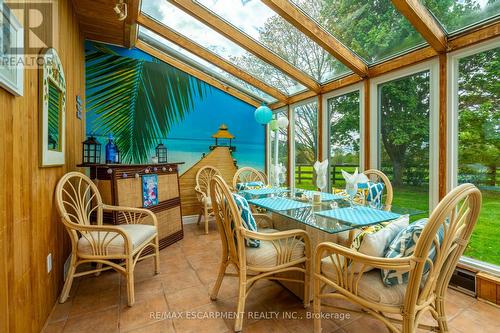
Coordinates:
424	23
196	73
478	35
209	56
240	38
130	26
294	15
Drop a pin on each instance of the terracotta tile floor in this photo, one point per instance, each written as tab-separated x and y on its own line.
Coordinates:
188	271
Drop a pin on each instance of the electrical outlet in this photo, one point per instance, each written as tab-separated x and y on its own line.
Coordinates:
49	262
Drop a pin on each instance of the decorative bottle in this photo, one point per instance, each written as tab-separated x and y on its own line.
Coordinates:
111	154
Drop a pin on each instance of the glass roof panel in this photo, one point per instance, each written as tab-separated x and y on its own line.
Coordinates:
456	15
191	28
279	36
375	30
199	63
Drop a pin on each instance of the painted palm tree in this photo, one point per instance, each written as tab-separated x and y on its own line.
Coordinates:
137	100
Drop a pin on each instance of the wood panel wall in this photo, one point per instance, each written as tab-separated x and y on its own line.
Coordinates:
219	158
29	227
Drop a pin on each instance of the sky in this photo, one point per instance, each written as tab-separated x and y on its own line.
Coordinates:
247	15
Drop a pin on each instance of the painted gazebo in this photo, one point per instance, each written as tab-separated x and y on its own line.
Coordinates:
223	138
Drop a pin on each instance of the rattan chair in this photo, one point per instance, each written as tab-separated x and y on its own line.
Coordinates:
377	176
78	201
279	251
203	177
247	174
455	215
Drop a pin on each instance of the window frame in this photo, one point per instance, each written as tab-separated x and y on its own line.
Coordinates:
291	136
360	86
269	143
453	59
433	67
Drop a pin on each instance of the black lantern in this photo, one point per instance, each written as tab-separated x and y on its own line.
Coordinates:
118	158
91	153
161	153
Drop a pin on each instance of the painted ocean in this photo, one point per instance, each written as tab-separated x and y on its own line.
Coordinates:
190	151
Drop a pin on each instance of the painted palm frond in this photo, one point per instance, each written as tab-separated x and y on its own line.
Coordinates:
136	100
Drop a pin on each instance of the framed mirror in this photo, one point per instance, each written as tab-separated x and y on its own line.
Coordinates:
53	109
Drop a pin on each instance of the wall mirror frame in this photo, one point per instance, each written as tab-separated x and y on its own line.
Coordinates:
53	109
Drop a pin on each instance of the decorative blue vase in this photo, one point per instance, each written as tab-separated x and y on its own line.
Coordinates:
111	151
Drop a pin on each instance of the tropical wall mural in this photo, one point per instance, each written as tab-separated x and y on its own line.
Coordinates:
143	101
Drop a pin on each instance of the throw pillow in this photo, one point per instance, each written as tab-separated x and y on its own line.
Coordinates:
374	195
248	219
404	246
249	186
375	243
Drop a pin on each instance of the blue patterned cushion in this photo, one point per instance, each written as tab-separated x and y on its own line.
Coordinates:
248	219
374	195
402	246
249	186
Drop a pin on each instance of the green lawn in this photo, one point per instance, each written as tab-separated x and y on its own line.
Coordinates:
485	241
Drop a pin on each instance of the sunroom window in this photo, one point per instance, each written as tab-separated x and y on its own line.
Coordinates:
404	138
344	135
306	143
479	145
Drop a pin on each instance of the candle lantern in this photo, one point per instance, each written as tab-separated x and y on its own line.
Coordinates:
118	158
91	151
161	153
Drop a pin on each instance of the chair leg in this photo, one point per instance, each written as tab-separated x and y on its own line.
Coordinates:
307	285
442	322
240	312
99	266
130	281
218	282
206	220
69	280
199	217
408	324
157	255
316	305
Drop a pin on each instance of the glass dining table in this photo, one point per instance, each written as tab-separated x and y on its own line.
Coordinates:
332	215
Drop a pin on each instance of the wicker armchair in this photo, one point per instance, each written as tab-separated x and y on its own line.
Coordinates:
279	252
377	176
203	177
78	200
247	174
456	216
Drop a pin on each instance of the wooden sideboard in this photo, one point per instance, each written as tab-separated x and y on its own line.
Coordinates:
121	185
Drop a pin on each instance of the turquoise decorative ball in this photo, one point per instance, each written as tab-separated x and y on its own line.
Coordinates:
263	114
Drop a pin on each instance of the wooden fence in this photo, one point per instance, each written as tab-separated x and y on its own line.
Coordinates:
413	175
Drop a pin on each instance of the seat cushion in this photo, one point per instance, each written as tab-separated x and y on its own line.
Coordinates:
370	285
138	233
266	254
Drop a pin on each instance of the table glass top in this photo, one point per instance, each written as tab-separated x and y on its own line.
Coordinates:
332	215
